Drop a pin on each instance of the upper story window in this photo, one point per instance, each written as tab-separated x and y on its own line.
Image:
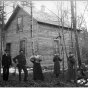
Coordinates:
20	24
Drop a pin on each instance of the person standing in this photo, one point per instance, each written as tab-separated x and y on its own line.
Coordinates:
71	67
37	70
6	63
21	64
56	61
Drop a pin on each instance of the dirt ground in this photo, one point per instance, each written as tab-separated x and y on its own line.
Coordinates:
49	81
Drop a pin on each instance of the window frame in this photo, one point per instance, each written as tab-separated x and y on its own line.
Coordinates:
20	24
9	48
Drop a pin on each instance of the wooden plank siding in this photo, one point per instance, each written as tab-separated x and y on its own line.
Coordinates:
43	38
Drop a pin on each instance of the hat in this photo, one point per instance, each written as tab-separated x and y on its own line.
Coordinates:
70	53
6	50
20	50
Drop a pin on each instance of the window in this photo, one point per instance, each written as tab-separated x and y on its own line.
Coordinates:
22	45
20	23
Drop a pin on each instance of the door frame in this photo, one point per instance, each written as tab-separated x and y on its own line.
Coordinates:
23	39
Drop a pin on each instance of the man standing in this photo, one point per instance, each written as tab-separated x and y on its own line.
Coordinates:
6	63
21	60
71	67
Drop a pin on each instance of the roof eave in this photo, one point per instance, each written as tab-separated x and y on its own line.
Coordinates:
56	25
11	17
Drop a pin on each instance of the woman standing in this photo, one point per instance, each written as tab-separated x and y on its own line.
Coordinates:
37	70
56	60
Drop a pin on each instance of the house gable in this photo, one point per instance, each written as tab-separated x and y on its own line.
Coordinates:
11	17
14	15
12	22
14	37
11	31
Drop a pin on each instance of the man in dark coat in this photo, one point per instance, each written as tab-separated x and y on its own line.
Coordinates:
71	67
56	60
21	64
82	72
6	63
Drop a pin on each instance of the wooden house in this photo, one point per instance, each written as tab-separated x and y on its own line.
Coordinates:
47	36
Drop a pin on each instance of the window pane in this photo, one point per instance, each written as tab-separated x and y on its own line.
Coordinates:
19	23
19	20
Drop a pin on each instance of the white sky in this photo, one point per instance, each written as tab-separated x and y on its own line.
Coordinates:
51	5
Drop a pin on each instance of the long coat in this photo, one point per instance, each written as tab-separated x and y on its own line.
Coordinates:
37	70
6	60
56	60
6	63
21	64
70	72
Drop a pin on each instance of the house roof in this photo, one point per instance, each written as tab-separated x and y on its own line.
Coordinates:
11	17
45	17
40	16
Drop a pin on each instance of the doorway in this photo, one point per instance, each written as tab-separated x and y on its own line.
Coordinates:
22	45
8	47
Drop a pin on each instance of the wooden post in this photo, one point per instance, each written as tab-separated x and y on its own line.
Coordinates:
2	13
63	59
32	45
75	31
76	38
62	20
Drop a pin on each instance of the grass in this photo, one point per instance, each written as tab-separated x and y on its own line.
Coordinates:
49	81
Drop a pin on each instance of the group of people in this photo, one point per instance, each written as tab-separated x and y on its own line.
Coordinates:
72	72
20	60
70	75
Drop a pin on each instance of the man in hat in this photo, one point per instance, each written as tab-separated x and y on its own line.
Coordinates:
71	67
21	60
6	63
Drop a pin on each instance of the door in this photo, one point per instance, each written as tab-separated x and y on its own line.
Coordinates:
22	45
8	47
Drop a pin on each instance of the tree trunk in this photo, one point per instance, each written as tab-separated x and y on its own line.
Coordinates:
75	31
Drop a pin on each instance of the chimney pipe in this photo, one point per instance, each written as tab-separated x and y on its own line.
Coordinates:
43	8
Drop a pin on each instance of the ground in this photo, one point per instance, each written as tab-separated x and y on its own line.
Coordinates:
49	81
